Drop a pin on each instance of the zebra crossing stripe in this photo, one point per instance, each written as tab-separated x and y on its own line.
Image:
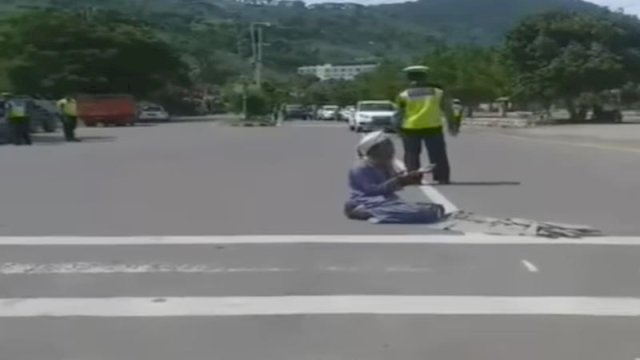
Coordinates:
465	239
317	305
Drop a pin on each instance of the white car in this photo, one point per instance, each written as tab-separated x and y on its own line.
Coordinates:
346	114
328	112
373	115
153	113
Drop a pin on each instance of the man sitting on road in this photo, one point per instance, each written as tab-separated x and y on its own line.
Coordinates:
374	183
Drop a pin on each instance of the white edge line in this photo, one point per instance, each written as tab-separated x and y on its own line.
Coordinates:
318	305
464	239
531	267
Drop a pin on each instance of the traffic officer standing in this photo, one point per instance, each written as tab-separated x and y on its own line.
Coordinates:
458	110
421	109
17	114
69	111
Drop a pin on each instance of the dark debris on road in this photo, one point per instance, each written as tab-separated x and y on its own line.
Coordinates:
470	222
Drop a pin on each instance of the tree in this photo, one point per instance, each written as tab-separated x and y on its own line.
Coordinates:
92	54
472	74
209	49
5	84
562	55
385	83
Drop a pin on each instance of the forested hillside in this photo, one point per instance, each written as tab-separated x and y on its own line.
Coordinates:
479	49
322	33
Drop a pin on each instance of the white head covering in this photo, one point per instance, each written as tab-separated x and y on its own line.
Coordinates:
370	140
416	69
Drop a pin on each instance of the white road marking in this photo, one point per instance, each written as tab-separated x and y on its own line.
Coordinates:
101	268
570	143
531	267
438	198
431	192
388	269
317	124
464	239
318	305
80	268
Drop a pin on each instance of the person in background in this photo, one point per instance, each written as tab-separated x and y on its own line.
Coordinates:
69	111
421	108
458	111
374	183
17	114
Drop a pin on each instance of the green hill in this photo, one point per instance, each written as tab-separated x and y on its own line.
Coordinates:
483	21
316	34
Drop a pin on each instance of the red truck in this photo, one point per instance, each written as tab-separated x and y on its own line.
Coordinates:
119	110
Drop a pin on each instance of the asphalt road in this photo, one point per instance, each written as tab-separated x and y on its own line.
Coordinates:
67	294
203	179
548	179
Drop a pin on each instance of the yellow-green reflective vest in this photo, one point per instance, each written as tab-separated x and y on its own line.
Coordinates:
17	109
458	112
68	107
421	108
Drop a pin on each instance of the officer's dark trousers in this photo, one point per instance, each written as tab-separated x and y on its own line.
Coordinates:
433	140
69	124
20	132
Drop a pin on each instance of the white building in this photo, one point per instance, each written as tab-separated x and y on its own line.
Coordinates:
336	72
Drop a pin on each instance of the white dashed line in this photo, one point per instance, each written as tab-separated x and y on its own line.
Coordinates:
531	267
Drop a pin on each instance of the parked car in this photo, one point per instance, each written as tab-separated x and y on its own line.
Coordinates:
328	112
45	116
346	113
153	113
373	115
107	110
295	112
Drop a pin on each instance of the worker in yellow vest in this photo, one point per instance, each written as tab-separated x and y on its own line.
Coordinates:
69	111
17	112
458	110
421	109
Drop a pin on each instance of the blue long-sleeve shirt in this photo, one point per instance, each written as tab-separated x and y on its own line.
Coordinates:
367	181
373	191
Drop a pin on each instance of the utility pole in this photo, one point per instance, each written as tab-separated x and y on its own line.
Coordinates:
257	45
245	115
259	62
